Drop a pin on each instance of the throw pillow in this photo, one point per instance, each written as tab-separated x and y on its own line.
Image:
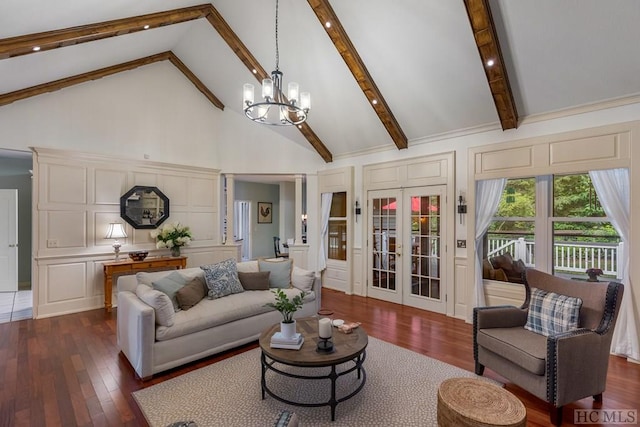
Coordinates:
170	284
191	293
302	279
258	281
222	278
160	302
280	276
551	313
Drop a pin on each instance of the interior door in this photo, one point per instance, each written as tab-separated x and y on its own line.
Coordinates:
384	220
8	240
424	248
406	246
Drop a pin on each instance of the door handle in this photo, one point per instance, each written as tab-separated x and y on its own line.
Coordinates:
13	246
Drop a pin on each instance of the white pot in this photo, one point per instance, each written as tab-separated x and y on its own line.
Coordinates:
288	330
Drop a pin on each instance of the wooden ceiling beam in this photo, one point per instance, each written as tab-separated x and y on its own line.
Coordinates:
486	39
342	42
55	85
25	44
252	64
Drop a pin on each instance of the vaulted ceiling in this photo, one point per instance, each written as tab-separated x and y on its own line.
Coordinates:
384	75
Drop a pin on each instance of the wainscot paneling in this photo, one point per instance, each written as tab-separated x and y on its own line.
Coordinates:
358	282
461	287
77	195
502	293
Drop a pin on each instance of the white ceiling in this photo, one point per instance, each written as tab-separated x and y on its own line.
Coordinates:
421	54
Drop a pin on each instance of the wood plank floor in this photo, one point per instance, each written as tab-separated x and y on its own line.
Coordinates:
67	370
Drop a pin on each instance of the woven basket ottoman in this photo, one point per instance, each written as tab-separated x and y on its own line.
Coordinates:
476	403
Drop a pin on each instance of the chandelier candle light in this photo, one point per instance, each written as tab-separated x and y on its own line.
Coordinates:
276	109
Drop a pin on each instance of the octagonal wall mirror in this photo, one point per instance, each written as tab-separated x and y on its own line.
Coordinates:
144	207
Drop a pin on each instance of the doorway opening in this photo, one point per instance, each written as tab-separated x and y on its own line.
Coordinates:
16	296
242	227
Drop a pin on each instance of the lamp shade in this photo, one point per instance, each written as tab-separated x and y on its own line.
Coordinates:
116	231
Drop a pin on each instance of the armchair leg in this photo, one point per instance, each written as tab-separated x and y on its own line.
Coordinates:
479	368
555	415
598	397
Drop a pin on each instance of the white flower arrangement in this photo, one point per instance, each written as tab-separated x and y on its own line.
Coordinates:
172	235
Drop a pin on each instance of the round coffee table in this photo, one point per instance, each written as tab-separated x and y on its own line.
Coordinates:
349	348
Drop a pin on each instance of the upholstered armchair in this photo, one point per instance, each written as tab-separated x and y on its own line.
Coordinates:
564	366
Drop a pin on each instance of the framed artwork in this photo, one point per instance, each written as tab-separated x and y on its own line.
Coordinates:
264	212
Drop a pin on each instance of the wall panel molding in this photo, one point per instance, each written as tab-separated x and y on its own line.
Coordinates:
77	195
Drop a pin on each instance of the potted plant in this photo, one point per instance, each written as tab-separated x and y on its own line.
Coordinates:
287	307
172	236
593	274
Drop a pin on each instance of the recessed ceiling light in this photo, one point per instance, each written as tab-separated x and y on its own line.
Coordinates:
490	63
374	102
146	27
299	126
254	71
36	48
327	24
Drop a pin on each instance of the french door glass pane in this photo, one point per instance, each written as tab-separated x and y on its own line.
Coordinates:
384	243
425	246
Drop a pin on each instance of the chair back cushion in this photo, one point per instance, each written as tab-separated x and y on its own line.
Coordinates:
592	294
551	313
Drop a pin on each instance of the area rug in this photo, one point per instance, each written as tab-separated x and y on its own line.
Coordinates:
401	389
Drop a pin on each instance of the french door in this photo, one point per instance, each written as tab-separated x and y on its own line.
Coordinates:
406	246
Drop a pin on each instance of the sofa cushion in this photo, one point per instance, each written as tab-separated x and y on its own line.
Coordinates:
302	279
524	348
191	293
258	281
161	303
213	312
551	313
170	284
222	278
280	276
248	266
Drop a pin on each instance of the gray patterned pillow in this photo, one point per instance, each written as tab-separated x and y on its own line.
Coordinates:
222	278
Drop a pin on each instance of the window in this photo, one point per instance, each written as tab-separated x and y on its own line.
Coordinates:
338	227
558	212
583	238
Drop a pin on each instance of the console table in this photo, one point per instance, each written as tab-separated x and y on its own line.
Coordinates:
119	268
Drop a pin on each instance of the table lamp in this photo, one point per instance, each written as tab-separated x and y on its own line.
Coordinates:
116	231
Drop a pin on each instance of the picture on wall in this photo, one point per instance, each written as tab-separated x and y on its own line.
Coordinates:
264	212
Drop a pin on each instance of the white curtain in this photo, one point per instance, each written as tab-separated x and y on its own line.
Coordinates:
325	206
613	190
488	195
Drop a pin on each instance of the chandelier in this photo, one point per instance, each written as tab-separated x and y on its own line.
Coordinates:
275	109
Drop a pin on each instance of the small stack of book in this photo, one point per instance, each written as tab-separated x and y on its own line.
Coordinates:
280	341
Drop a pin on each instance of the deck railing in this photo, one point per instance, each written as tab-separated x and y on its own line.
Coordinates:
570	257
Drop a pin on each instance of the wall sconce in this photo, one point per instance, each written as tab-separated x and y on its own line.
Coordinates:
462	206
358	211
116	231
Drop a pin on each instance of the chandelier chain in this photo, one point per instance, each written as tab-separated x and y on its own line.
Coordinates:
277	48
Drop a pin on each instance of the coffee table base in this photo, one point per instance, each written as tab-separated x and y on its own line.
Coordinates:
268	364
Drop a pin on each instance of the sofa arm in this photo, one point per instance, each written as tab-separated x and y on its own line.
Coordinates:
577	363
503	316
136	332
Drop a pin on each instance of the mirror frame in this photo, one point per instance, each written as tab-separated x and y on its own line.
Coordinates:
124	214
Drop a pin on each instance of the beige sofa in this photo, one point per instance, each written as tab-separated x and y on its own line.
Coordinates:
209	327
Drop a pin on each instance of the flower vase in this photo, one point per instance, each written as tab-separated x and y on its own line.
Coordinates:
288	330
175	251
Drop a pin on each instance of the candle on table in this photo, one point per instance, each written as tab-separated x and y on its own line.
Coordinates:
324	328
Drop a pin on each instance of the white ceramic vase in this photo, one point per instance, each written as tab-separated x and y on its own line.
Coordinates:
288	330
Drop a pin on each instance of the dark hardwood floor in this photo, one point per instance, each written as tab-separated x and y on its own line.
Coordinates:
67	370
